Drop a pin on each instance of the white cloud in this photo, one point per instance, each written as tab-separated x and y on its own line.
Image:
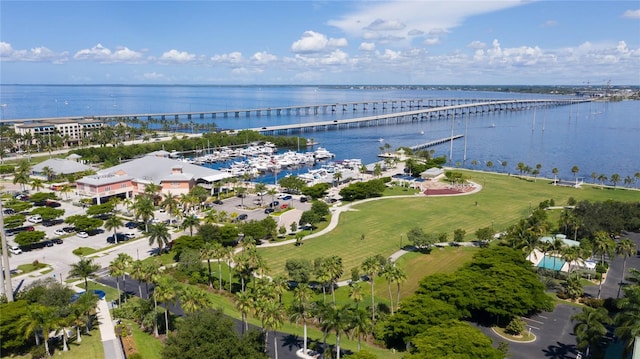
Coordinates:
105	55
431	41
312	41
36	54
477	45
230	58
549	23
341	42
367	46
175	56
389	20
263	57
632	14
153	76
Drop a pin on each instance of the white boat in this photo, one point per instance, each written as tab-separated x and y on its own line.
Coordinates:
380	139
321	153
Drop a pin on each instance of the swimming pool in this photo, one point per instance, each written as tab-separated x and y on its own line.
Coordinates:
548	262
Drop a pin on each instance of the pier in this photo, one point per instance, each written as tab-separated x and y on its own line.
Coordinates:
435	142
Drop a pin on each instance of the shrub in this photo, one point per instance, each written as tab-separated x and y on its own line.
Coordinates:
593	302
515	326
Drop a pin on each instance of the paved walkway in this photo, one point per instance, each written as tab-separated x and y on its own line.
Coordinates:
111	343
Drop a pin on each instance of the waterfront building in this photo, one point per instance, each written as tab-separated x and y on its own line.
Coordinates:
73	130
131	178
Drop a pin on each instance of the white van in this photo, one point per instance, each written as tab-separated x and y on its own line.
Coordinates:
35	219
15	250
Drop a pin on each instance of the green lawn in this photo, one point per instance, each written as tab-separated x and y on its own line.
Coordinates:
502	201
90	347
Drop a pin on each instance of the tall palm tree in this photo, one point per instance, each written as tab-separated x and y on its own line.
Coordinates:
372	266
170	203
190	222
615	178
159	234
21	176
48	172
151	190
575	170
603	245
335	271
143	209
300	309
113	223
85	269
166	291
118	268
272	316
625	248
360	324
137	273
244	303
36	184
338	320
355	293
628	318
208	251
590	328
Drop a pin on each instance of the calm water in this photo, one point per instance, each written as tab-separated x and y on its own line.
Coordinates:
596	137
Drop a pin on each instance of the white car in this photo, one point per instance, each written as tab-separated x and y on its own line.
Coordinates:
83	235
130	235
59	232
15	250
35	219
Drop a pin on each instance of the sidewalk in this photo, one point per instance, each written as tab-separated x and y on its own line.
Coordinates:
111	343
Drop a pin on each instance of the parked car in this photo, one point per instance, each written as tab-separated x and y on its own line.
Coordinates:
286	198
53	204
48	243
9	211
269	210
217	201
93	232
243	216
274	204
40	203
103	216
132	225
69	229
130	235
15	250
35	219
57	241
52	222
121	237
303	199
83	235
59	232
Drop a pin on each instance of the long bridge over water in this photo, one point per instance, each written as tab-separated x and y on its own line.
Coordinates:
384	109
422	114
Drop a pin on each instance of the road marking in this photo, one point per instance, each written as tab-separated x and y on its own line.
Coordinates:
543	317
532	327
531	320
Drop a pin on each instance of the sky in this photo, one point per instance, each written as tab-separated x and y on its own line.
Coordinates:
328	42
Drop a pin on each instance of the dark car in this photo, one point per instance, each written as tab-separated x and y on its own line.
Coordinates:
269	210
49	243
243	216
9	211
132	225
53	204
303	199
40	203
217	201
274	204
57	241
52	222
286	198
93	232
121	237
103	216
69	229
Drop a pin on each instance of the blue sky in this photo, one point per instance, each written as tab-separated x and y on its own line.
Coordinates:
320	42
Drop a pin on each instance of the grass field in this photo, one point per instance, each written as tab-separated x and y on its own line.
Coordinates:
502	201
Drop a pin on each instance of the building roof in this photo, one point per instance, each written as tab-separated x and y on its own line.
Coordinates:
153	169
61	166
563	238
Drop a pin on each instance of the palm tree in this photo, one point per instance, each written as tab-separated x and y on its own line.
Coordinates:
212	249
151	191
371	266
625	248
602	178
159	234
360	324
355	293
113	223
190	222
137	273
554	170
244	303
118	268
21	175
193	299
85	269
66	189
48	172
615	178
228	255
143	209
338	320
590	327
170	203
628	318
603	245
300	309
272	315
166	291
575	170
41	319
334	270
36	184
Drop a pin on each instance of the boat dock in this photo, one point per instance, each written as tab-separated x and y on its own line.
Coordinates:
435	142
